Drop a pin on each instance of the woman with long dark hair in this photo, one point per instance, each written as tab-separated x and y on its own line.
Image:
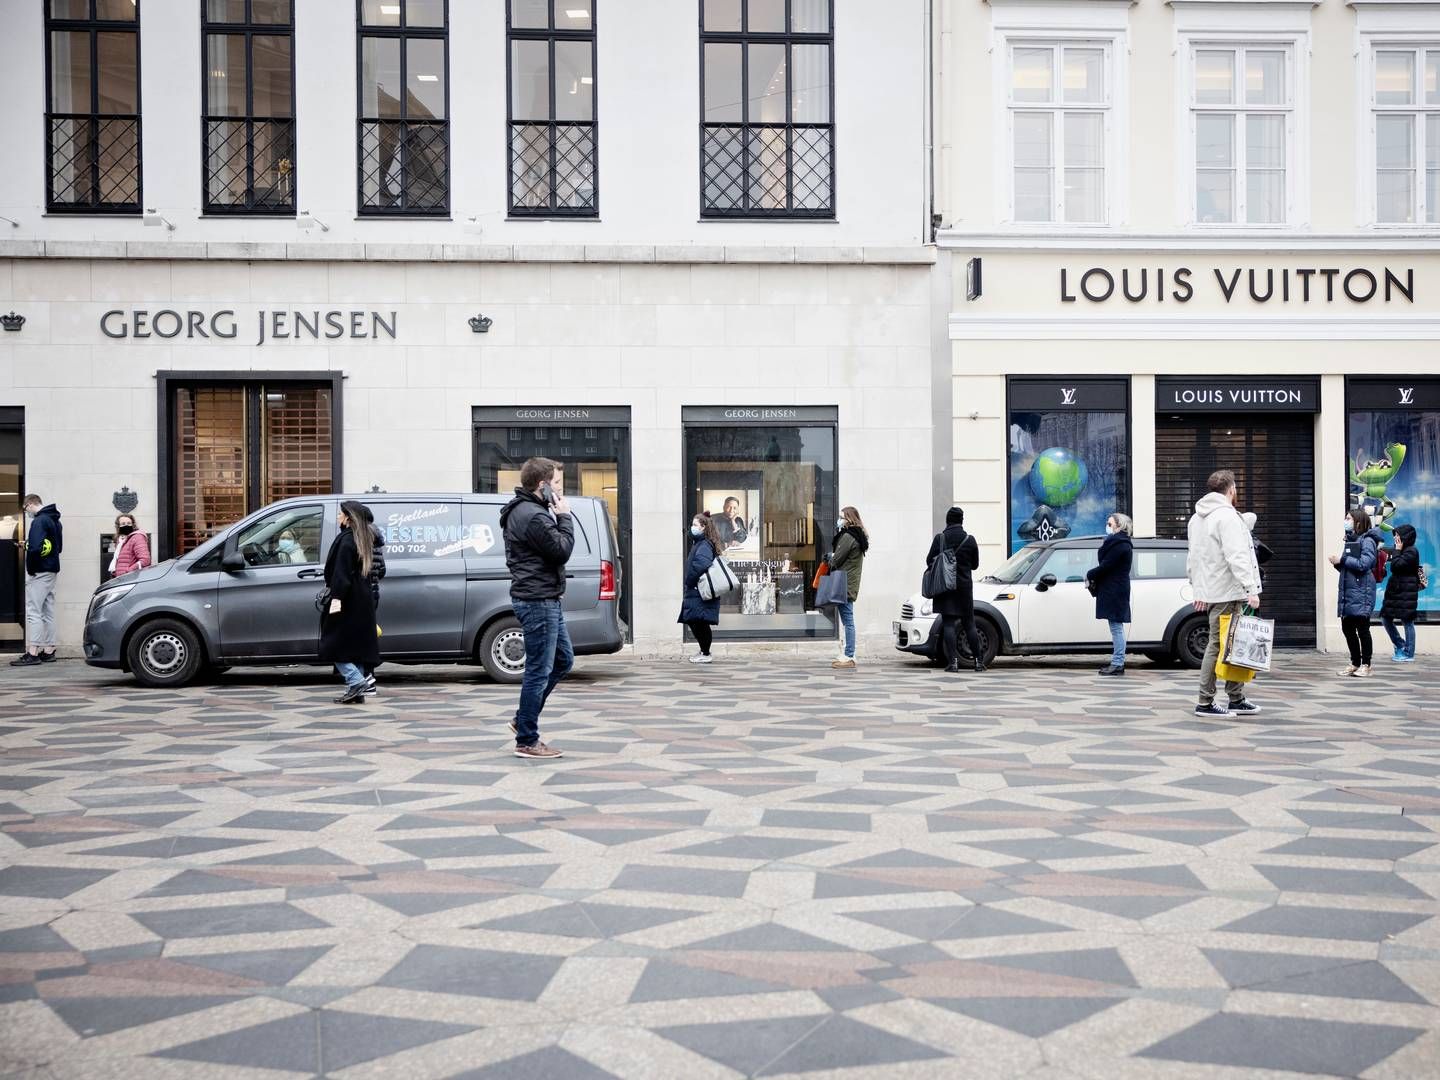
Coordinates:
848	554
347	625
696	612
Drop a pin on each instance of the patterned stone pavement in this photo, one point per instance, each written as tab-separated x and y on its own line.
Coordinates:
763	868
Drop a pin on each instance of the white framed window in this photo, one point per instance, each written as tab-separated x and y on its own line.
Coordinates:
1404	95
1060	130
1243	132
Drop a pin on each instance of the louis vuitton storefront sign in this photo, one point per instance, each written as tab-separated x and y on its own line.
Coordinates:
139	324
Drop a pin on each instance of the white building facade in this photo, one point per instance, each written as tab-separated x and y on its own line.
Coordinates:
1192	235
264	249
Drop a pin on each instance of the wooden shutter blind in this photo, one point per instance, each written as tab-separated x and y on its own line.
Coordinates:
210	478
296	456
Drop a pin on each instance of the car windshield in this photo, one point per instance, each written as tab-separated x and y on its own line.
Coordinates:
1014	569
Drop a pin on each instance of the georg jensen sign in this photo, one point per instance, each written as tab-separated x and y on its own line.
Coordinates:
270	325
1302	285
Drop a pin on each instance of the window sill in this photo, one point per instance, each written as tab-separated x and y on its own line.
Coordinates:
770	218
586	219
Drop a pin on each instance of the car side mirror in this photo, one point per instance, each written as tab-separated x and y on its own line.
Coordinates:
1047	581
233	563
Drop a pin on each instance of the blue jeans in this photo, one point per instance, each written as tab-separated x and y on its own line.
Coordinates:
1405	645
549	657
1117	643
847	620
351	673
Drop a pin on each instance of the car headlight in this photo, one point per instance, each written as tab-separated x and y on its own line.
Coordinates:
105	597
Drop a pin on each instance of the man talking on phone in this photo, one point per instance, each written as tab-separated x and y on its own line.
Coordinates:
539	536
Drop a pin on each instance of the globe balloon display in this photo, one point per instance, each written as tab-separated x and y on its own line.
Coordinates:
1058	476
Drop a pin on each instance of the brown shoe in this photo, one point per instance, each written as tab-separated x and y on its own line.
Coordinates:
846	663
539	750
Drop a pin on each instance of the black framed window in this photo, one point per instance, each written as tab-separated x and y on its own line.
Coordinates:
554	135
249	106
404	106
92	106
767	102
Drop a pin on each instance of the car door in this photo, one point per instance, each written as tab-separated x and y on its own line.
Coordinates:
267	605
1062	613
1158	589
422	599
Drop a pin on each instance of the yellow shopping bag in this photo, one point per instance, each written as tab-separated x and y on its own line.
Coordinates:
1225	671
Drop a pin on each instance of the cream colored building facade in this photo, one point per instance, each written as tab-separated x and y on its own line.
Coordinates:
1202	234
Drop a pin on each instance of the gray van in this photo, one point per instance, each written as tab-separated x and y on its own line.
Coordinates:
247	596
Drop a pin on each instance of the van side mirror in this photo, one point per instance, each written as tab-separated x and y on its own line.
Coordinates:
233	563
1047	581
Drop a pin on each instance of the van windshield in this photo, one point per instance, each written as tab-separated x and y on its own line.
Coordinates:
1016	566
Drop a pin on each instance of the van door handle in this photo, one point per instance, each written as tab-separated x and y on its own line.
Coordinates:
310	573
486	575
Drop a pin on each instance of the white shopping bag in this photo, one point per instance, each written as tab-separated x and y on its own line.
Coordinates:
1250	643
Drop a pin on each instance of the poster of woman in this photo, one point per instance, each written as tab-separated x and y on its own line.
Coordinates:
737	518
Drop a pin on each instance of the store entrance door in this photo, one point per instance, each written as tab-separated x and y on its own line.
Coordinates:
12	528
1273	458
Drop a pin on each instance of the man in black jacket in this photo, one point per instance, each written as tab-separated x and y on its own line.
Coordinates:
42	566
539	536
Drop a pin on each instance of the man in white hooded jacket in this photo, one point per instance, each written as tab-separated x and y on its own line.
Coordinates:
1225	577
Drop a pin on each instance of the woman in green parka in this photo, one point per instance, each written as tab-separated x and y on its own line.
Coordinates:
851	544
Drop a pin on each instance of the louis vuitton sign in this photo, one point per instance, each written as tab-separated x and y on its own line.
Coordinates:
1287	285
140	324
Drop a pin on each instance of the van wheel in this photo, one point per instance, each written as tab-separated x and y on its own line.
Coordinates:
502	650
1190	642
164	653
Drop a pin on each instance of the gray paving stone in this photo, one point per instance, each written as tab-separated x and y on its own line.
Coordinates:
670	879
474	972
292	1044
231	919
1097	965
1035	1017
1273	1042
843	1042
665	981
463	847
48	882
551	1063
273	967
289	820
1343	882
745	1047
349	1038
88	1017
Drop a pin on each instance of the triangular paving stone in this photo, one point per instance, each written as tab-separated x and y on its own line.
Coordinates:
844	1043
469	847
349	1038
227	920
310	856
985	921
768	937
172	847
443	969
1274	1042
665	981
837	886
551	1063
198	882
1364	981
1127	907
292	1044
1097	965
101	1016
564	920
614	837
617	919
754	847
273	967
747	1046
416	904
1305	879
902	858
927	924
1035	1017
47	882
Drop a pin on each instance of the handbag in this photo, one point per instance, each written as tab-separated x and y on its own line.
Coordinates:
824	568
717	580
1249	642
834	589
941	575
322	601
1228	672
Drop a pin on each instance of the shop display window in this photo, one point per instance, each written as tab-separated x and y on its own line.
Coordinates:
1393	468
1069	457
772	490
12	527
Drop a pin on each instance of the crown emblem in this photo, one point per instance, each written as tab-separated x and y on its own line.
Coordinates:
481	323
12	321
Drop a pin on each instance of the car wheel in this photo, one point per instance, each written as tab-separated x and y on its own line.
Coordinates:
989	635
1190	642
502	650
164	653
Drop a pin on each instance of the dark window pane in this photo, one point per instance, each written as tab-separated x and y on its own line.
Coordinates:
380	77
270	68
766	16
70	179
119	161
424	13
270	11
574	81
225	74
115	57
69	71
530	14
530	80
274	153
810	84
810	16
425	72
767	84
225	11
70	9
722	15
119	10
722	83
225	154
573	14
380	12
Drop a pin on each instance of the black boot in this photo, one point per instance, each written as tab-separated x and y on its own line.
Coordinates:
952	668
979	664
1112	670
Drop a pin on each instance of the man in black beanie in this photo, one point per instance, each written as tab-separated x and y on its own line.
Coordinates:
957	606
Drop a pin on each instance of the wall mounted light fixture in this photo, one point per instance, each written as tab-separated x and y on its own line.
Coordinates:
307	221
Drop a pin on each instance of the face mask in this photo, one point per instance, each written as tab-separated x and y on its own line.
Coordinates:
696	530
1109	530
287	544
840	523
125	530
1349	525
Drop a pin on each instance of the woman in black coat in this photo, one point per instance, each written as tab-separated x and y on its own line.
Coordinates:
1402	594
1110	582
956	608
347	626
696	612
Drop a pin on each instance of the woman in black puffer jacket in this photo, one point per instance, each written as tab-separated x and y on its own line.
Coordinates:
1402	594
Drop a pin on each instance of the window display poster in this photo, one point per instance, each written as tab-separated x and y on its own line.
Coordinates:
1067	473
1394	476
736	512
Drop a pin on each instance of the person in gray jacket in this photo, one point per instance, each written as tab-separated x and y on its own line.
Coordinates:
1225	578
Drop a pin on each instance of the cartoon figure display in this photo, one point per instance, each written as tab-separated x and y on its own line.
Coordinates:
1373	477
1056	479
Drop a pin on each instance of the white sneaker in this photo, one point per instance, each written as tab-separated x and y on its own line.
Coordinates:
701	658
1362	672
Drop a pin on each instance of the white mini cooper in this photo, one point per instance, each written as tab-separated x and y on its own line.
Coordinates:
1037	603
